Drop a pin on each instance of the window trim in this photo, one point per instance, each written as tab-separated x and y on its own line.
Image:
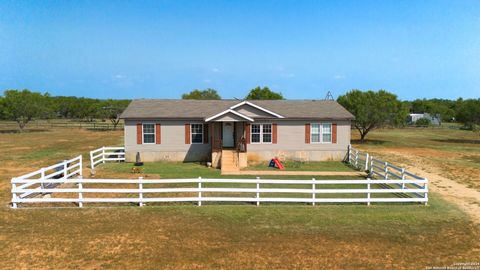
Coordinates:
320	132
154	133
191	133
261	133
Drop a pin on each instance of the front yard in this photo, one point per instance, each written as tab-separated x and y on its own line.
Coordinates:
217	236
168	170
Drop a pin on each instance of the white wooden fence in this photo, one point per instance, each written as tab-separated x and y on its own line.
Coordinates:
103	154
383	169
202	190
394	185
36	182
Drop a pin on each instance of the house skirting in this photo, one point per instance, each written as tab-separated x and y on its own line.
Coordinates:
252	156
322	155
152	156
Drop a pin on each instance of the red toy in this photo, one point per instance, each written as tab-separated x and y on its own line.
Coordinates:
275	162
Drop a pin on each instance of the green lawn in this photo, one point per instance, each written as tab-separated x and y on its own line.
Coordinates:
194	170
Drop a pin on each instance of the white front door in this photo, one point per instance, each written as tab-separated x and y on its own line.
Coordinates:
227	130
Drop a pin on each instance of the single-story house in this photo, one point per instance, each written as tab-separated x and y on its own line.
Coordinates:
236	131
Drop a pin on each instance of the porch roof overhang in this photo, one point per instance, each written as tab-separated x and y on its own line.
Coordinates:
212	118
257	107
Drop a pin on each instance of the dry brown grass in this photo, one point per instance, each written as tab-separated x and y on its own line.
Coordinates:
221	236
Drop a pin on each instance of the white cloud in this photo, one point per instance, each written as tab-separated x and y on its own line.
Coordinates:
339	77
207	81
215	70
119	77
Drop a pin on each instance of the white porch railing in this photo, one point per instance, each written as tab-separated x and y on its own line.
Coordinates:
46	178
103	154
202	190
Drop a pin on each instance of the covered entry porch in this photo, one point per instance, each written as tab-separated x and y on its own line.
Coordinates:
229	144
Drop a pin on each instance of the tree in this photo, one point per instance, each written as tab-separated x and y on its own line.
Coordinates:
208	93
373	109
23	106
112	109
263	93
423	122
468	113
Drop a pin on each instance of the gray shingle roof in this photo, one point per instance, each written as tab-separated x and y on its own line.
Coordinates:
186	109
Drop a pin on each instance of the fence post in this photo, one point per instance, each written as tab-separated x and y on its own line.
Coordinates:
65	169
366	162
403	178
80	194
91	161
356	159
81	165
199	191
313	192
368	190
386	171
42	177
14	194
103	154
258	191
348	152
371	166
426	190
140	193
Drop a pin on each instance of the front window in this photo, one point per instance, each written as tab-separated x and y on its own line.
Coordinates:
327	133
197	133
148	133
261	133
321	133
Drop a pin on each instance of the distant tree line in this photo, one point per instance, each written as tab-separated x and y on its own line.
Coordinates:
376	109
22	106
372	109
256	93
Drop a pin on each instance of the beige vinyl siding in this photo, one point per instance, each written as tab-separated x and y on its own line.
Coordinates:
229	117
291	137
253	112
173	145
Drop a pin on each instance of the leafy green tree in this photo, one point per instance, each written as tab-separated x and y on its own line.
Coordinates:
2	108
443	107
23	106
263	93
208	93
423	122
468	113
112	109
373	109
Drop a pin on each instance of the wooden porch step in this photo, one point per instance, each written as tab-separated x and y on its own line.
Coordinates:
229	163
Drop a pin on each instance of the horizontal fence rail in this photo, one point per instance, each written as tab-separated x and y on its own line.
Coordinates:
36	182
103	154
200	190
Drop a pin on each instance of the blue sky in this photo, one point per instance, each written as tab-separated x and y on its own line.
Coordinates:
161	49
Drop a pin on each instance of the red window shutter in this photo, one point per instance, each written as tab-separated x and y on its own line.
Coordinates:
139	133
274	133
334	133
205	133
187	133
307	133
158	134
247	133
